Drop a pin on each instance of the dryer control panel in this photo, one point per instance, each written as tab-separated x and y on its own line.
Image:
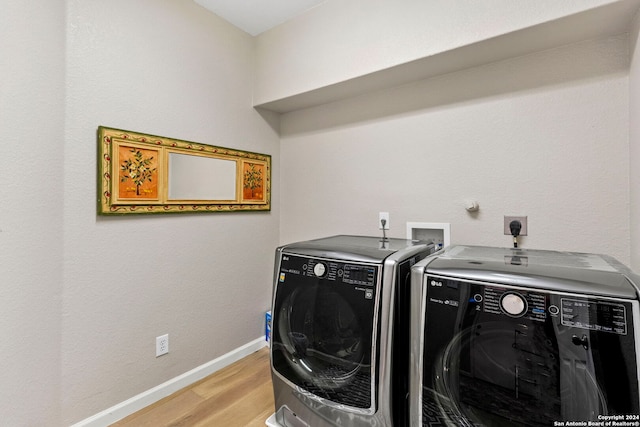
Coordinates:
490	299
575	312
594	315
514	303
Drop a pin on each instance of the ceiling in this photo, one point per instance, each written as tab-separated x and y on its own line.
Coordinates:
257	16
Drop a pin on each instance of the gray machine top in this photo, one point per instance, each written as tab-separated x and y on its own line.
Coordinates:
354	248
551	270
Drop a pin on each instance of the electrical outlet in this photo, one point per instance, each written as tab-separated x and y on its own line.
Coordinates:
162	345
385	216
523	221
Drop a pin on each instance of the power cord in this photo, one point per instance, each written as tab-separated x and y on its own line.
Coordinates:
515	227
383	222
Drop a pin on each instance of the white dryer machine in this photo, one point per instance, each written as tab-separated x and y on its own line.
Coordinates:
337	314
516	337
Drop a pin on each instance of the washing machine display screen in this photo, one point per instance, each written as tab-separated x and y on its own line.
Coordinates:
497	355
358	275
323	330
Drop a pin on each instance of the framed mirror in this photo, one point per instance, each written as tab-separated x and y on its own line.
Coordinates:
140	173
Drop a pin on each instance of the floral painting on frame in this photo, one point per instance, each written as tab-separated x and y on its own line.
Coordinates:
253	182
137	173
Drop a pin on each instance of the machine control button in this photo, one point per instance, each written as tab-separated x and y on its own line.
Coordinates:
554	310
513	304
477	298
319	269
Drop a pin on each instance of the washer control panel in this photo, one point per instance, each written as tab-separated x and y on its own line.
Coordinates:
347	277
333	271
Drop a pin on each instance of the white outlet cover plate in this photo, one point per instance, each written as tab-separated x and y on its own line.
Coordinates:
523	220
162	345
385	216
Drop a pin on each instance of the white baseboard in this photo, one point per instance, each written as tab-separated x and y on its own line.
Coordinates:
144	399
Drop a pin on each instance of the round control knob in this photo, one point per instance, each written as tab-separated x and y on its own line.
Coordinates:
513	304
319	269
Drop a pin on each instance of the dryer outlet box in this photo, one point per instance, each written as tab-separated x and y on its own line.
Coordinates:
523	220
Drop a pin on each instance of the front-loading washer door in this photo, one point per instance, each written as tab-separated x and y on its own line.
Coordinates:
497	355
322	331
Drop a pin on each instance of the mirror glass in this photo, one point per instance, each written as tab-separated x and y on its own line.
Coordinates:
201	178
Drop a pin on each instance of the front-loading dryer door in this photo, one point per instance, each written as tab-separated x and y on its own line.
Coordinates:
497	355
322	332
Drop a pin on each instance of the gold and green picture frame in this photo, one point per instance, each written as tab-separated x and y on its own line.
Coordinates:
140	173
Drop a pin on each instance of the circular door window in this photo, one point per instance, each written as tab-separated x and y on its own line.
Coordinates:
322	337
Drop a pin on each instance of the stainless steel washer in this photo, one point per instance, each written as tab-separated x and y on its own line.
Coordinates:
337	316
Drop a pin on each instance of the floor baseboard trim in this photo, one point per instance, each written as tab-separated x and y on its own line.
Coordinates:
144	399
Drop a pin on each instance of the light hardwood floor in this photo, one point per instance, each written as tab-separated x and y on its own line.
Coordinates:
239	395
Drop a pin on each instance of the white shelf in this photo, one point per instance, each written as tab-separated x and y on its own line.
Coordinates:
610	19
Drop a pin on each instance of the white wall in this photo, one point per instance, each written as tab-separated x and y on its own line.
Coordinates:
83	297
634	142
341	40
543	135
31	209
167	68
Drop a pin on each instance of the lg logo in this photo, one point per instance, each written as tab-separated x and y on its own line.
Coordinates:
436	283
